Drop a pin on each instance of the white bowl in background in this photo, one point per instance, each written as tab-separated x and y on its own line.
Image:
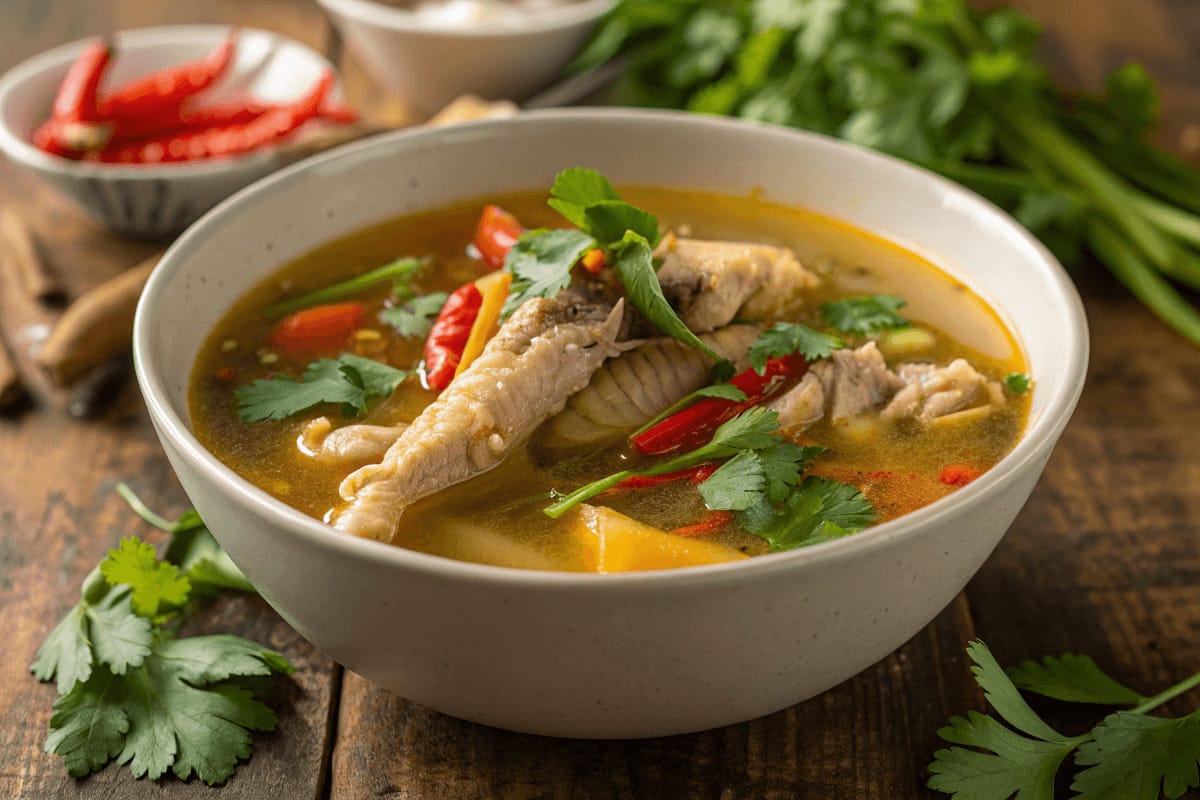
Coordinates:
427	66
154	200
630	655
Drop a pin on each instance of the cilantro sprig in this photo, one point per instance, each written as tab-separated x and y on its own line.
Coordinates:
789	338
864	315
130	688
415	318
1128	755
541	260
348	380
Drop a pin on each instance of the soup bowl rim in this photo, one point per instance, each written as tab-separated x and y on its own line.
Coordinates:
1031	446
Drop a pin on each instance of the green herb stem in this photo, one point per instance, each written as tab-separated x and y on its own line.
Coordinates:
399	270
1158	295
1172	219
586	492
1183	687
143	511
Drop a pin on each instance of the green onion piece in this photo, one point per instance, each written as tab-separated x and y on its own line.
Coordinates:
402	269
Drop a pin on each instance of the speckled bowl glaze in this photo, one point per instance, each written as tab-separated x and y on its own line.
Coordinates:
633	655
153	201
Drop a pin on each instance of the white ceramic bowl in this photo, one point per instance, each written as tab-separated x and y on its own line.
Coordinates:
427	66
630	655
147	200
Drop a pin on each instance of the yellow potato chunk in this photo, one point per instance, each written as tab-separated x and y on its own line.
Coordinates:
613	542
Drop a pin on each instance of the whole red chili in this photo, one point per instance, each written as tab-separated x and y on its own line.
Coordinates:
694	425
449	334
697	476
76	99
165	90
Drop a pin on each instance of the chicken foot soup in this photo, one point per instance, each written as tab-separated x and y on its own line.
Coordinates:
609	382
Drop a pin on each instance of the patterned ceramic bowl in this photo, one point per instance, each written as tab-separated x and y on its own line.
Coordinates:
153	201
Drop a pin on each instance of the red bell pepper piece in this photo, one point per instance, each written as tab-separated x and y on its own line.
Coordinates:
448	337
694	425
498	231
318	328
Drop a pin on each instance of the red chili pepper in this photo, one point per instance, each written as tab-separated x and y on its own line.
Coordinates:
47	138
694	425
340	113
959	475
224	140
223	373
164	91
697	475
449	334
713	522
318	328
76	99
498	231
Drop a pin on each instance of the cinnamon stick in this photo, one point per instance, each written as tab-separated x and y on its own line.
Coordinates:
12	391
95	328
17	246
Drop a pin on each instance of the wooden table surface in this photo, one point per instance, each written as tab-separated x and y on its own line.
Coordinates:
1105	559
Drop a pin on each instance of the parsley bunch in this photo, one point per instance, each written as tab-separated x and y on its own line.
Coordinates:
1129	755
953	90
130	689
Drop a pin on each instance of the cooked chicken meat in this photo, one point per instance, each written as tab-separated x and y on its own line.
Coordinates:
710	283
930	391
350	443
634	387
545	352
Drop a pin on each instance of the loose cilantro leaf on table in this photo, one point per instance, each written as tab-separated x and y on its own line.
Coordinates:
130	690
415	318
347	380
863	316
788	338
1128	756
1073	678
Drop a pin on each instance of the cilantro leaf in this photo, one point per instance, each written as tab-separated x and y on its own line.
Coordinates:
153	582
782	465
1073	678
541	262
577	188
205	563
1017	382
1133	755
788	338
753	429
1003	696
864	315
1011	764
736	485
635	268
105	632
179	710
415	318
608	221
799	520
348	380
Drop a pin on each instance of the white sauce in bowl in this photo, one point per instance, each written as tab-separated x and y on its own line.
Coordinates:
473	13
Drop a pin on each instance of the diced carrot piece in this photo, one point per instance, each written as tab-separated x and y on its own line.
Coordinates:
613	542
593	261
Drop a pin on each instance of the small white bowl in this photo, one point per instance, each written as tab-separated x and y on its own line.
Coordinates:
638	654
154	201
428	66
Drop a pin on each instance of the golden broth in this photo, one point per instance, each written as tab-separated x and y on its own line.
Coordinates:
496	518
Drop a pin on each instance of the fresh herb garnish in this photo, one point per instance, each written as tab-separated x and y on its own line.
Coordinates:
819	510
754	429
952	89
541	260
755	477
1128	755
133	691
1017	382
863	316
398	273
790	338
415	318
347	380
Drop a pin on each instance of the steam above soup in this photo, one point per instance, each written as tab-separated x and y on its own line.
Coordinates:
592	386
